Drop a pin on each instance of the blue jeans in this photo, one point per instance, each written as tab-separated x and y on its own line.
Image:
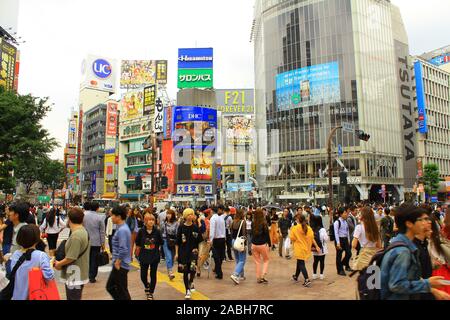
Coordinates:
240	258
6	247
169	255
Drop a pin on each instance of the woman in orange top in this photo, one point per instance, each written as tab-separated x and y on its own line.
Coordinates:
302	238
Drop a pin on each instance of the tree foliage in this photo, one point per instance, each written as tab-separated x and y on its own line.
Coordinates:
24	143
431	179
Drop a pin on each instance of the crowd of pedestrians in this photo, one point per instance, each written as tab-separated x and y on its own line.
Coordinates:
410	243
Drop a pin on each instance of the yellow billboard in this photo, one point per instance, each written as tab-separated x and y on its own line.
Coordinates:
132	105
109	181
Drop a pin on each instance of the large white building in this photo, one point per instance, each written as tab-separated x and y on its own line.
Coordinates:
320	64
432	71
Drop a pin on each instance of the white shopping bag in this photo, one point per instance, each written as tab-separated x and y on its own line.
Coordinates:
287	246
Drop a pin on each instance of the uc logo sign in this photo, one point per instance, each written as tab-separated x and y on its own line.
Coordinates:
101	68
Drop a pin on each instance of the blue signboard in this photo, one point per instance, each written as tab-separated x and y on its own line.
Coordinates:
441	60
236	187
94	182
340	152
195	58
197	123
308	86
421	102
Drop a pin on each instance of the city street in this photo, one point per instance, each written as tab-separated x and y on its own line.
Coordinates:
280	286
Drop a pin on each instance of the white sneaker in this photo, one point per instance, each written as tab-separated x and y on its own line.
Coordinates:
188	295
235	279
314	277
322	277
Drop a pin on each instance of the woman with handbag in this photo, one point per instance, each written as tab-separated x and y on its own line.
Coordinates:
50	229
148	242
169	230
26	259
238	233
188	238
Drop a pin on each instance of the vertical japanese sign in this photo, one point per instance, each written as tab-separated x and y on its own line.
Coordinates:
109	181
149	99
168	122
159	116
7	65
111	119
161	71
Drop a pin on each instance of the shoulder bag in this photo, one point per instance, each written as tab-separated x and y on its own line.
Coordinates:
7	293
239	243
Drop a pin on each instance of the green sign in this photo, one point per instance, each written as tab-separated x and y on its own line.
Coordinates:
195	78
44	199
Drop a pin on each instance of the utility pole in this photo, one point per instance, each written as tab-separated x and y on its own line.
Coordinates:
330	169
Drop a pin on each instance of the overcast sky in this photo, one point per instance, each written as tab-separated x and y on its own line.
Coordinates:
60	33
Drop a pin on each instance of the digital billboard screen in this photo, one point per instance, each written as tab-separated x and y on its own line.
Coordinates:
314	85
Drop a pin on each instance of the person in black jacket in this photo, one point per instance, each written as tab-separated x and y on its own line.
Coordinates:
148	242
188	238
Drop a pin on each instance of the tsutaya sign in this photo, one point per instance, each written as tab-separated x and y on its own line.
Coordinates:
405	74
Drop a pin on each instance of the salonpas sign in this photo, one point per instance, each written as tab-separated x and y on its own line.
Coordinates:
195	78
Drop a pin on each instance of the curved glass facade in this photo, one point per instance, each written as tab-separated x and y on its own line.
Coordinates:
319	64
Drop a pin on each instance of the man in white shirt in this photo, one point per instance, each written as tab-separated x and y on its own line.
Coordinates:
217	237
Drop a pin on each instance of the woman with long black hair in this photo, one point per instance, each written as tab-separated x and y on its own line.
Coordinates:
51	227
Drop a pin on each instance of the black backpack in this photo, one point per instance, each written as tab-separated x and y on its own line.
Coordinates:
318	241
331	230
365	278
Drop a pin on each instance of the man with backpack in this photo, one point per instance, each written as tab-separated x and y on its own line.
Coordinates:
400	267
341	235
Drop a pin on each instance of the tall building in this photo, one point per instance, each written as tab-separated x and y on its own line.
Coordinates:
433	97
318	65
94	139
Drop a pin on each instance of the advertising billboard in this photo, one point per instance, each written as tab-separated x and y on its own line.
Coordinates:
161	71
202	166
421	101
239	130
7	65
235	101
194	127
72	141
167	166
441	60
135	130
132	105
137	73
109	181
99	73
314	85
195	58
187	189
111	119
149	99
195	78
168	122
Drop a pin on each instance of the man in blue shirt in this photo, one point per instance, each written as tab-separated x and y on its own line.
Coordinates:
117	285
342	235
401	271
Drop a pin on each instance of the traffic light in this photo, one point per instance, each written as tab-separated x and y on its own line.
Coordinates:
138	182
164	182
343	177
362	135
